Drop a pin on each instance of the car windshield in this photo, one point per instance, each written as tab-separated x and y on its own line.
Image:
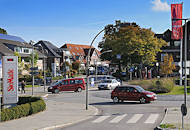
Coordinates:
56	83
106	81
140	89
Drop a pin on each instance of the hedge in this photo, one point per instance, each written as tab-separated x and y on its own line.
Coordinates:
163	85
26	106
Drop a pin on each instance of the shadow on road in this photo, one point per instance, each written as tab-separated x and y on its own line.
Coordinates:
111	103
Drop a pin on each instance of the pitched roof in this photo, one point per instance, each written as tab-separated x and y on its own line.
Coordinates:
11	38
5	50
16	43
77	49
51	48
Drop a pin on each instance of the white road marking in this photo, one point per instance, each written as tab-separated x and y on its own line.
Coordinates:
100	119
152	118
135	118
118	118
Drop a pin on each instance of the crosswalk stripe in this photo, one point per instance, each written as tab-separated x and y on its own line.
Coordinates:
152	118
100	119
118	118
135	118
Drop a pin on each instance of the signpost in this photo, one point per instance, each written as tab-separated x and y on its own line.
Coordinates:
10	80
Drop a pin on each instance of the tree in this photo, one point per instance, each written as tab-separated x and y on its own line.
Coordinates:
135	45
3	31
167	66
36	58
76	65
20	63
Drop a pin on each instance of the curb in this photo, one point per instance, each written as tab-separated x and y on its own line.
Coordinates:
158	127
45	96
70	123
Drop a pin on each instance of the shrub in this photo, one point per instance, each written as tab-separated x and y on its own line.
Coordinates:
26	106
163	85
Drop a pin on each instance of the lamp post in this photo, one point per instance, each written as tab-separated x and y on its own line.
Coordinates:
87	67
43	51
157	74
32	43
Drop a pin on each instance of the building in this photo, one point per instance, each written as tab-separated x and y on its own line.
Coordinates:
79	53
53	58
173	48
10	44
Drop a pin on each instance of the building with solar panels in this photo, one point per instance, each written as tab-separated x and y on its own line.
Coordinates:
10	44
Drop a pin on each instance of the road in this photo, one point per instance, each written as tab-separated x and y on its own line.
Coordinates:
127	115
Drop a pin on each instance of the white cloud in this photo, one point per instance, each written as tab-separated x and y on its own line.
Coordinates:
158	5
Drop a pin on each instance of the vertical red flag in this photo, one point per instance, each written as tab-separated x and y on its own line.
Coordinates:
176	13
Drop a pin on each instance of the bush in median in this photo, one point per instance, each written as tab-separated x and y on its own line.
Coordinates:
26	106
163	85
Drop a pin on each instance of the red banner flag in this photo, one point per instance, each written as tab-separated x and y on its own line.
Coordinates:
176	13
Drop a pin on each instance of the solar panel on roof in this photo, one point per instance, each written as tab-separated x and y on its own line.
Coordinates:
11	38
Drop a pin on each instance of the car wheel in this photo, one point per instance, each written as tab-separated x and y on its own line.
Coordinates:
79	90
115	100
56	91
142	100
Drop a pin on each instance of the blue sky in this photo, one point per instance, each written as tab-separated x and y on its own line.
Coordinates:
78	21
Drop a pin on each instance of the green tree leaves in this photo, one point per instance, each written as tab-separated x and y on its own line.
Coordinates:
135	45
3	31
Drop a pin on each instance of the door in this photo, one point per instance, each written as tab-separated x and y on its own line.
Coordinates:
133	94
65	86
72	85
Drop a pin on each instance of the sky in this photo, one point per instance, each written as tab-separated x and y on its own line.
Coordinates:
78	21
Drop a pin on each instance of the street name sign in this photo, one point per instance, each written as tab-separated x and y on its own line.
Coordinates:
10	79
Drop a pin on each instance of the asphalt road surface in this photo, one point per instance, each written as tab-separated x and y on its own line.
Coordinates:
126	115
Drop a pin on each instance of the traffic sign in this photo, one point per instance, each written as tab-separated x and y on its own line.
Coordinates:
34	68
34	73
183	109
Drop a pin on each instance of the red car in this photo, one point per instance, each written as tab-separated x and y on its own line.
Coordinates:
74	84
132	93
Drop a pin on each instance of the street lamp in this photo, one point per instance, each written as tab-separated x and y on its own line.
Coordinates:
43	50
32	43
87	66
157	64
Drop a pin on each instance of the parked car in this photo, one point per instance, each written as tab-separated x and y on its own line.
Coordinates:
108	84
73	84
132	93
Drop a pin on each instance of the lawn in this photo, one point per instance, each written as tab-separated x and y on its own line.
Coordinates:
177	90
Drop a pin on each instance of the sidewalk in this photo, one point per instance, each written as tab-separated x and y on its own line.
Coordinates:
173	116
57	114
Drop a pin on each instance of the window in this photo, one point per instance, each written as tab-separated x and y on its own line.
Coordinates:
177	43
131	89
26	50
65	82
77	48
73	53
78	81
77	57
72	81
162	57
18	49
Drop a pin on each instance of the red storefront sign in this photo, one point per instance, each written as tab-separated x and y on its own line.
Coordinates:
176	13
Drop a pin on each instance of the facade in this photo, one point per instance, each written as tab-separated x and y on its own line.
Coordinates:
53	58
11	44
173	48
80	52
